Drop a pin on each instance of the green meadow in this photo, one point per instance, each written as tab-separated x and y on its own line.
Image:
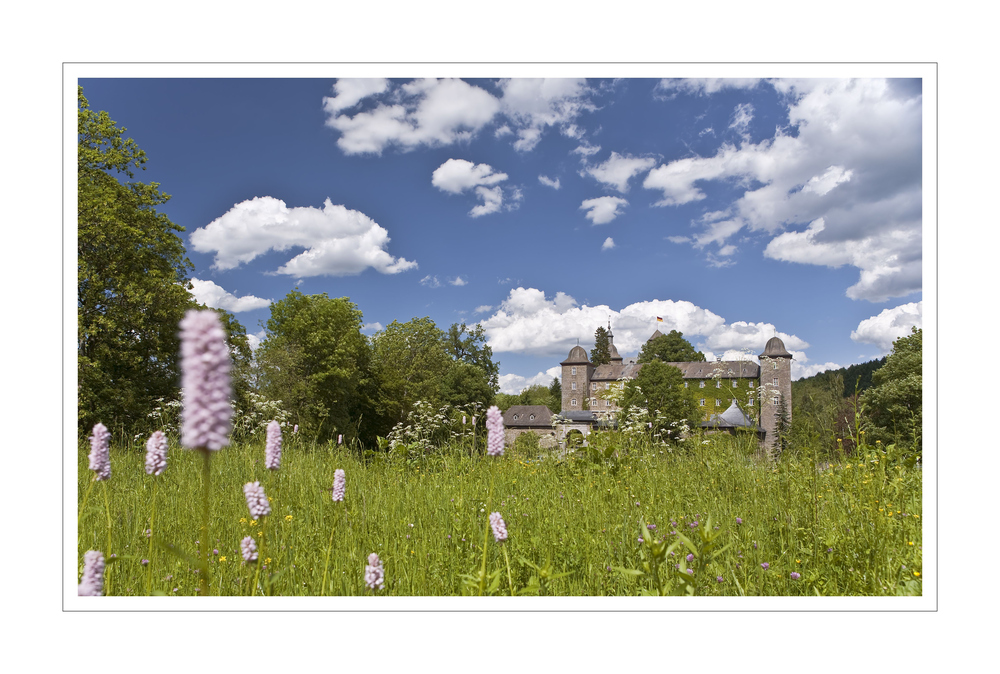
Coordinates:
632	519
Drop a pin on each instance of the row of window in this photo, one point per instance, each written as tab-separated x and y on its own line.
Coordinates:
594	402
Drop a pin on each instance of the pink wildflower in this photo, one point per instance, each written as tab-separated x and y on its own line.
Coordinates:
499	527
339	484
100	456
272	450
205	418
374	573
156	453
92	582
494	425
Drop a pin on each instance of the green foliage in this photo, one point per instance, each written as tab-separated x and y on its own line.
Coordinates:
316	361
670	348
132	286
536	394
601	353
893	406
659	390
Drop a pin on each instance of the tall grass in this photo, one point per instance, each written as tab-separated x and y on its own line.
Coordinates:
848	528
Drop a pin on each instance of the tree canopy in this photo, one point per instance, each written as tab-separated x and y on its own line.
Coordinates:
659	389
670	348
894	403
132	283
601	353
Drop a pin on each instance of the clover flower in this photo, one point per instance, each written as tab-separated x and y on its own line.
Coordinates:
794	575
339	484
257	501
499	527
92	582
494	425
100	456
374	574
156	453
272	450
739	520
764	565
205	418
249	547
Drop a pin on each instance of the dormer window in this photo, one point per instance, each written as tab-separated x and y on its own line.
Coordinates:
515	417
531	417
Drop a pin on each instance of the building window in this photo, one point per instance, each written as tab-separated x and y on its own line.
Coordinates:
702	403
685	384
774	365
573	385
775	382
531	418
718	403
607	385
515	417
750	384
718	383
573	371
701	384
573	402
593	386
774	400
736	383
750	402
606	403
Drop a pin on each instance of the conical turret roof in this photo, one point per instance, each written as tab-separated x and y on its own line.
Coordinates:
576	355
775	348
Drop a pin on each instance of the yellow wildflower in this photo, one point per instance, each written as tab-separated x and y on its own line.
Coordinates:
916	573
243	520
253	523
222	559
288	518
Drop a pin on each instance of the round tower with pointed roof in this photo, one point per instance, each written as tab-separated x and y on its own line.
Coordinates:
775	390
576	372
615	358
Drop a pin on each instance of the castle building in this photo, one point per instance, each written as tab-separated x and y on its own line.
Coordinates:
732	393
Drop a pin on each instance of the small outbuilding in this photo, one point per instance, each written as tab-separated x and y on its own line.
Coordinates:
536	419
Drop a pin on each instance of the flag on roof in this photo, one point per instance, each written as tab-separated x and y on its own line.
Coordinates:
659	320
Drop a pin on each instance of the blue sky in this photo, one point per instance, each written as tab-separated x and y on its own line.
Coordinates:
733	209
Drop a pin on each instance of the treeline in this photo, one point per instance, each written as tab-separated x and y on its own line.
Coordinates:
882	398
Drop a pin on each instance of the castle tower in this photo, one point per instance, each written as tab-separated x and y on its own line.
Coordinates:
615	358
775	390
576	372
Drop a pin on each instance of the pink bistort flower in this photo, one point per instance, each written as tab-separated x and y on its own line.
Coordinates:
156	453
206	389
100	457
257	501
249	548
499	527
339	484
272	450
374	573
494	425
92	582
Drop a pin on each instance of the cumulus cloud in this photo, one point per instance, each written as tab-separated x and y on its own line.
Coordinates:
215	296
482	308
430	281
459	175
807	370
888	326
514	384
254	339
608	244
458	281
372	327
603	210
349	92
533	104
545	180
426	112
338	241
846	189
618	169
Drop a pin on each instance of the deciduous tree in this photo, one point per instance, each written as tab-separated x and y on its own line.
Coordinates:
670	348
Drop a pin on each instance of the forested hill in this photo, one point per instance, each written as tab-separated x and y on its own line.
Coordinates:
854	377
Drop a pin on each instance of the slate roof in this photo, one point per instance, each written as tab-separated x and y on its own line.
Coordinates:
577	355
542	414
578	415
731	418
731	369
775	348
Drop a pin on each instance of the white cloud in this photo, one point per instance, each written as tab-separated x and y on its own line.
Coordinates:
742	116
545	180
801	370
373	327
217	297
349	92
608	244
882	330
458	281
585	149
619	169
254	339
459	175
338	241
845	190
427	112
702	86
533	104
514	384
482	308
430	281
679	239
603	209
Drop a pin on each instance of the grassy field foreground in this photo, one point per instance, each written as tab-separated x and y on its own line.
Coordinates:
627	525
